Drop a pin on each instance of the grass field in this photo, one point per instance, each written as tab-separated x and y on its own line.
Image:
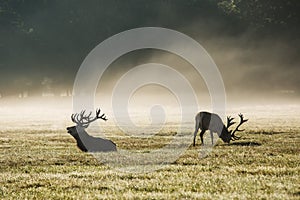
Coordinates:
43	164
40	160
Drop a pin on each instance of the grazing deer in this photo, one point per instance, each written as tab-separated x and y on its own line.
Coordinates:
212	122
85	142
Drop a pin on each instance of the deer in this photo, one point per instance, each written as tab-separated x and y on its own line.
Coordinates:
85	142
212	122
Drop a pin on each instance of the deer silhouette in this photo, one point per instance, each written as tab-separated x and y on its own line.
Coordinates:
85	142
212	122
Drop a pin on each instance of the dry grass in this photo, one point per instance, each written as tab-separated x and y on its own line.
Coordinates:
264	164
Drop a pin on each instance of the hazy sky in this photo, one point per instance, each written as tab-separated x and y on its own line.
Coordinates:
43	44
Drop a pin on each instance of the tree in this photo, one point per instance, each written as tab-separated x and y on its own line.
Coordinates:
265	13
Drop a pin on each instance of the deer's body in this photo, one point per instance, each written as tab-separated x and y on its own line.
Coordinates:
88	143
212	122
85	142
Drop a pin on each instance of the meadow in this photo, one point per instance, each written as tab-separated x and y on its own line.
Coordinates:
39	161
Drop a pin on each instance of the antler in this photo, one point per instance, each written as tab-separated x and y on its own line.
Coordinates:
229	121
233	137
84	120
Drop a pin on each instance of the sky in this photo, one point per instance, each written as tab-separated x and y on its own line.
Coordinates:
42	45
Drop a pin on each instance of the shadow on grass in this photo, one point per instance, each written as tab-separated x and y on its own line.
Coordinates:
265	132
296	193
245	144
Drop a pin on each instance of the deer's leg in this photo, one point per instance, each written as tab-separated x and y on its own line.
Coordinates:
212	137
196	131
201	136
195	134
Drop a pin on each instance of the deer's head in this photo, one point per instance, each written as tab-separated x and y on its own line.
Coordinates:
83	120
228	135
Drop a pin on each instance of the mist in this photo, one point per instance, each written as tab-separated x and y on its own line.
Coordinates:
43	45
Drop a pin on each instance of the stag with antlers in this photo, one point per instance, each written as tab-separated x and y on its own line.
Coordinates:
212	122
85	142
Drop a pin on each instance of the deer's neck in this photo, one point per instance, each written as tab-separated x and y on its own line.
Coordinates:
82	139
